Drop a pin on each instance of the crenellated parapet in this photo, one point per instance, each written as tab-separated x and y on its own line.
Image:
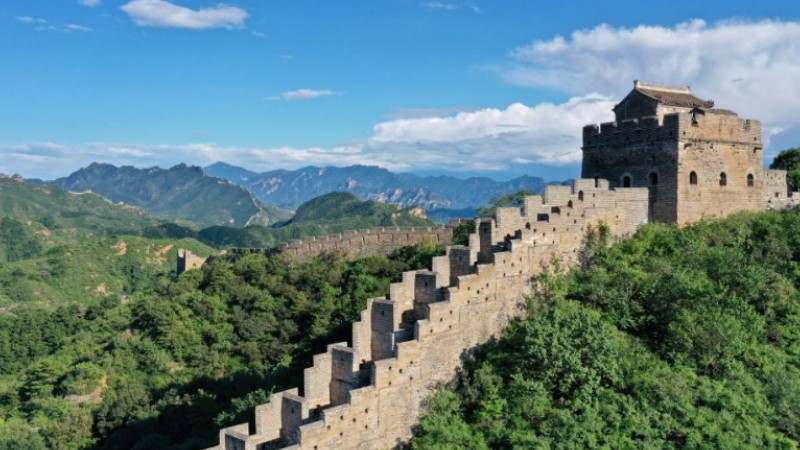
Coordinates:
698	125
370	392
614	133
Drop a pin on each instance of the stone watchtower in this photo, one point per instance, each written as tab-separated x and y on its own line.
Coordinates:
697	161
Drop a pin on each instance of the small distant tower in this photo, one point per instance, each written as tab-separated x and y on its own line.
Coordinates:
188	261
696	160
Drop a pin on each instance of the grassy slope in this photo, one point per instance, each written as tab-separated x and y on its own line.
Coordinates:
64	216
91	270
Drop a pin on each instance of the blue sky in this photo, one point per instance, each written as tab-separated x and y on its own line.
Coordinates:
482	87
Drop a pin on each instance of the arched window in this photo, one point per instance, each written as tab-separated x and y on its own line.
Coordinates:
751	181
653	179
723	179
580	195
569	204
555	210
693	178
597	182
626	181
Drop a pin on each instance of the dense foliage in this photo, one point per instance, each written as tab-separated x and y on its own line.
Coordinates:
341	207
674	338
789	160
168	361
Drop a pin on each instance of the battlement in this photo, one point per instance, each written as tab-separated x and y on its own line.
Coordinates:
369	393
694	125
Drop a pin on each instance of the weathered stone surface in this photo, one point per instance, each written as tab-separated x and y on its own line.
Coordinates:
697	162
369	395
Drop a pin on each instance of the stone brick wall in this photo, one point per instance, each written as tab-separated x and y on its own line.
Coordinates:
371	241
370	392
682	162
355	243
714	145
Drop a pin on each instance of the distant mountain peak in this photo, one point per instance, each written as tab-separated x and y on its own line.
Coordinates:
290	188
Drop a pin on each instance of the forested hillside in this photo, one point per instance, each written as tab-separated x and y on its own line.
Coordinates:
59	216
675	338
162	363
101	346
37	274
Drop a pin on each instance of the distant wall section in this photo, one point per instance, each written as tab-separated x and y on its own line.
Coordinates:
188	260
371	241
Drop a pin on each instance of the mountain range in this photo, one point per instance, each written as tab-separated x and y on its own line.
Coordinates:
290	188
182	193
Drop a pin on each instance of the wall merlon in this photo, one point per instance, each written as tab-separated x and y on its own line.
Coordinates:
385	320
362	334
441	266
294	413
270	416
317	379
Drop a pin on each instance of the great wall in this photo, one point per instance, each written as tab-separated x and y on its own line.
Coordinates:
370	392
353	243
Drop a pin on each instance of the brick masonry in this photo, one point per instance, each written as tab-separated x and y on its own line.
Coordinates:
369	393
371	241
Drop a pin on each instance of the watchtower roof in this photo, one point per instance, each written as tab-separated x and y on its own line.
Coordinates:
671	95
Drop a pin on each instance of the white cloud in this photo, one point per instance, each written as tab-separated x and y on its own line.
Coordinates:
440	5
76	27
161	13
44	25
89	3
546	133
49	160
482	140
750	67
28	19
303	94
259	34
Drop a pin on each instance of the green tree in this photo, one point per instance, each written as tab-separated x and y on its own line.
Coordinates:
514	199
17	241
789	160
